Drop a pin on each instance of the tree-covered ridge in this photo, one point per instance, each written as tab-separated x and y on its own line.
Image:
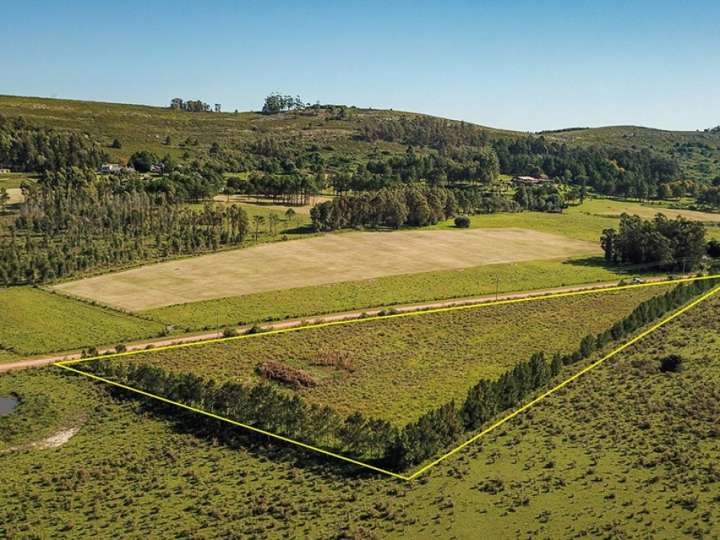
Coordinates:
72	221
25	147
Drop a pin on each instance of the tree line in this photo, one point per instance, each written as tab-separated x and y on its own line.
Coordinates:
265	407
290	189
261	406
409	204
671	243
27	148
438	429
72	222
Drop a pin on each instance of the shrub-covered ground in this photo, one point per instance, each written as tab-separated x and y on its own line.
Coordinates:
399	368
625	451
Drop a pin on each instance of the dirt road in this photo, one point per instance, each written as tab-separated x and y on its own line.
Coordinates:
344	316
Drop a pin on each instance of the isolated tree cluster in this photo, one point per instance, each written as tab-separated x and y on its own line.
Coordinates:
412	204
670	243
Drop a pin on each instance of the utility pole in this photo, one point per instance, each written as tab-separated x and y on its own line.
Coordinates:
497	286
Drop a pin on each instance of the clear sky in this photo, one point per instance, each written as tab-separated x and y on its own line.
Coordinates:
526	65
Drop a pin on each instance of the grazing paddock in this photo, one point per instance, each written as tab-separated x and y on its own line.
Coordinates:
399	368
330	258
34	321
609	207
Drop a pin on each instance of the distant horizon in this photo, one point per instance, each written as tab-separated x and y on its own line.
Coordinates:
519	65
257	110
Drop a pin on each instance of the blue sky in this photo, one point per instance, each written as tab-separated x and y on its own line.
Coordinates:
526	65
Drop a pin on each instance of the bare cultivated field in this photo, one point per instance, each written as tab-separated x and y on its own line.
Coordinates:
316	261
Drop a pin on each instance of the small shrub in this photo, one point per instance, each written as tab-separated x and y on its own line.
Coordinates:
278	371
671	363
229	332
120	347
462	222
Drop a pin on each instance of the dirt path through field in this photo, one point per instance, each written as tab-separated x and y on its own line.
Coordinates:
344	316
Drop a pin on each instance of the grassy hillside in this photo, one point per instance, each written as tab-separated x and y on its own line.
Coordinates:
141	127
626	451
144	127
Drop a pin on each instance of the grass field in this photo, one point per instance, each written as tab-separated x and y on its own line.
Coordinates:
36	321
316	261
586	221
402	367
626	451
384	291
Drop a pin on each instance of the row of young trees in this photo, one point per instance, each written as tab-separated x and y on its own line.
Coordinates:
290	189
74	222
672	244
443	426
409	204
24	147
261	406
266	408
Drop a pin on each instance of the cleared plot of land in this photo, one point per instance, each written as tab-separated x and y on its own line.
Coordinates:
248	201
385	291
317	261
585	221
607	207
399	368
35	321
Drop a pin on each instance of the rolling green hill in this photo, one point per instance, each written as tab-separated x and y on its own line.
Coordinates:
333	131
142	127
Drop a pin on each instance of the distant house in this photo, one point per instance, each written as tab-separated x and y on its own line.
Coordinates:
4	170
519	181
114	168
158	168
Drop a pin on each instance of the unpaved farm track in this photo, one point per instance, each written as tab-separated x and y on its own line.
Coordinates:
344	316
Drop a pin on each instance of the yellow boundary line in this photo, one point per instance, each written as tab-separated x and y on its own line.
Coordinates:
66	365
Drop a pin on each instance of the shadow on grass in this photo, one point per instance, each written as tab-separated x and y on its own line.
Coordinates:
622	269
261	447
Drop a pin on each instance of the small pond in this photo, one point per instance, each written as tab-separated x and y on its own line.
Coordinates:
8	404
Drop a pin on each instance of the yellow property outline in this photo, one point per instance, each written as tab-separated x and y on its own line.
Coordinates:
67	363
